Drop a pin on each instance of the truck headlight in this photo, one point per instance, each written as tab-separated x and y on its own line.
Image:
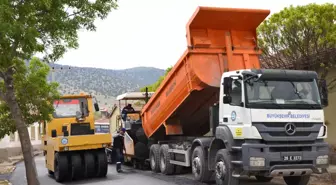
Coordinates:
66	148
257	161
322	159
104	145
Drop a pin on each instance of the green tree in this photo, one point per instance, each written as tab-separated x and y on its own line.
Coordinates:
27	28
26	97
156	85
34	96
301	37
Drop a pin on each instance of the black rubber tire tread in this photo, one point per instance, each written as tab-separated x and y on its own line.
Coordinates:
263	179
297	180
205	174
224	155
169	168
141	166
76	166
89	164
101	162
141	136
155	152
140	151
61	165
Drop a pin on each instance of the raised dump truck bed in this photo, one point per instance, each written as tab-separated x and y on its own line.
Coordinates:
219	114
219	40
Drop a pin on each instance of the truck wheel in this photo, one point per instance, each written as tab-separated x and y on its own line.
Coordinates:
89	165
141	151
297	180
76	166
200	165
101	164
165	166
141	136
155	158
61	167
263	178
142	165
223	169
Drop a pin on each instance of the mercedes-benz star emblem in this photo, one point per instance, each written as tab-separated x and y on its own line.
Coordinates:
290	129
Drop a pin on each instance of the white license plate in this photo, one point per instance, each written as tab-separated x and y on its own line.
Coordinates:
292	158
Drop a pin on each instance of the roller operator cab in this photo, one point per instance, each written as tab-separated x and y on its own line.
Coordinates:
136	142
72	149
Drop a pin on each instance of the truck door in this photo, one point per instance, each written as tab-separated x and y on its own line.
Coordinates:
234	113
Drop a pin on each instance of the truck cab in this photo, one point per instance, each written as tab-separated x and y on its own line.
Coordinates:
275	119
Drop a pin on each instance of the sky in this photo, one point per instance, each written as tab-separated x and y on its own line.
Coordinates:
150	33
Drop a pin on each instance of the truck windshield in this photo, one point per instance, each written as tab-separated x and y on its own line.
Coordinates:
67	107
283	94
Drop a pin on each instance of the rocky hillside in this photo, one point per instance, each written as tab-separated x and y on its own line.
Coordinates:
104	83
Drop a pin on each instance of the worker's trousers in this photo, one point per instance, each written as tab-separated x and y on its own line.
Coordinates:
119	159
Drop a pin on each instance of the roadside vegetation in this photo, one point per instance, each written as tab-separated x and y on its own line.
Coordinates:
35	27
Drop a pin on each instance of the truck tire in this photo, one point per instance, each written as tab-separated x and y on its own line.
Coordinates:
154	158
297	180
165	166
200	165
140	151
263	178
61	167
101	164
76	166
223	169
89	165
141	136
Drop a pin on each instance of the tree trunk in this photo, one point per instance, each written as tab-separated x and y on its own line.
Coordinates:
26	145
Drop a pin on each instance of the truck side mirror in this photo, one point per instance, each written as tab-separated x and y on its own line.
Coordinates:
324	93
227	85
96	106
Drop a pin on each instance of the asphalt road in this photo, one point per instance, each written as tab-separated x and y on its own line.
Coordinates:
130	176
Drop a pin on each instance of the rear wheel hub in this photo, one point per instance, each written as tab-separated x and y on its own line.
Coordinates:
220	170
196	165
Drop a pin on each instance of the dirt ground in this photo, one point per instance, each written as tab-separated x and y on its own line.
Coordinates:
324	179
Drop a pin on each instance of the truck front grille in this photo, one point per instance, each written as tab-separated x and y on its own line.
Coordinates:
276	131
